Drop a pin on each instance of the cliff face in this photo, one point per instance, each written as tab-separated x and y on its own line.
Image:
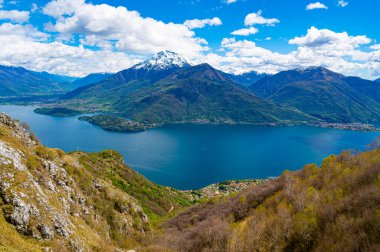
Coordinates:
76	201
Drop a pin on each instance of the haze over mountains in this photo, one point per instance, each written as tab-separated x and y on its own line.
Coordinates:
91	78
18	81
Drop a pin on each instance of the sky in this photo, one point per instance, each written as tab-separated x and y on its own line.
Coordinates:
79	37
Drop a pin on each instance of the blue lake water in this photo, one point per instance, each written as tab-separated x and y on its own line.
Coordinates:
193	156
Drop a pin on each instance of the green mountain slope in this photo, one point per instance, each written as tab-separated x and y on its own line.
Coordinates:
20	82
201	94
323	94
365	87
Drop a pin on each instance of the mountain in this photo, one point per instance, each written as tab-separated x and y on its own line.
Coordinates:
19	82
140	75
247	79
58	78
166	89
201	94
56	201
269	85
323	94
90	79
366	87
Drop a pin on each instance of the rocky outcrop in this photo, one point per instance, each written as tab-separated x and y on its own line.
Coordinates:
43	195
18	130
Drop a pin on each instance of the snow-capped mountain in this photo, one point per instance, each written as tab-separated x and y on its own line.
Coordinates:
161	65
162	61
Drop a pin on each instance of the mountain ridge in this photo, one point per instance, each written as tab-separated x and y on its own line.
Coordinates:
191	94
323	94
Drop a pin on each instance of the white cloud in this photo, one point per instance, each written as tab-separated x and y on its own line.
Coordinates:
316	5
230	1
126	30
256	18
200	23
14	32
339	52
375	47
245	31
342	3
25	46
14	15
124	38
34	7
324	38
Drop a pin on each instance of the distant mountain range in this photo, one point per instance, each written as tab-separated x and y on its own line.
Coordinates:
18	81
377	80
323	94
58	78
247	79
167	89
90	79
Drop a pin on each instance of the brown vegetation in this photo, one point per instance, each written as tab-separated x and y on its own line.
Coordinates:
332	208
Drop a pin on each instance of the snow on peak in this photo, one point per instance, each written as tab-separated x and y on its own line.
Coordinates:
163	60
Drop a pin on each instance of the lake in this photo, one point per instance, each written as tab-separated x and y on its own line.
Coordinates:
193	156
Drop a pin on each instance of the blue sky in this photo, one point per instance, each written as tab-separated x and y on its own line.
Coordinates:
77	37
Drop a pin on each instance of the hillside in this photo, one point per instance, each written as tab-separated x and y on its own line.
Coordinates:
323	94
365	87
20	82
73	201
334	207
56	201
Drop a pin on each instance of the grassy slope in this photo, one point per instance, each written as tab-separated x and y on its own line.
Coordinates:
11	240
156	200
113	194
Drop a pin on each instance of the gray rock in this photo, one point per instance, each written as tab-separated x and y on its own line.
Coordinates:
61	226
46	231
